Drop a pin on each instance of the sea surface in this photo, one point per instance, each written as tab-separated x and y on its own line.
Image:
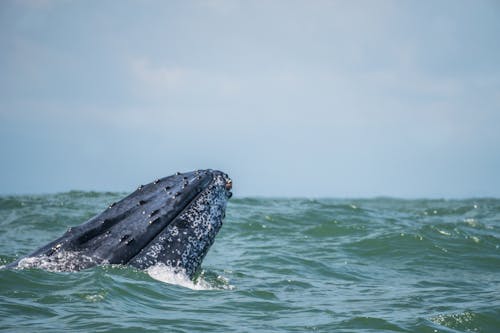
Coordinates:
278	265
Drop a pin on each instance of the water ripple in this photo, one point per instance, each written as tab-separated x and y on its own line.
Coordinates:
280	265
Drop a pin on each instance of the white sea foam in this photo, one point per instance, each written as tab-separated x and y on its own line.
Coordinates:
171	275
61	261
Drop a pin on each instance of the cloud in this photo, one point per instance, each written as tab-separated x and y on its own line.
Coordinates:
162	79
358	91
37	4
158	80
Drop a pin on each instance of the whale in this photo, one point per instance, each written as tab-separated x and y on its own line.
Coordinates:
171	221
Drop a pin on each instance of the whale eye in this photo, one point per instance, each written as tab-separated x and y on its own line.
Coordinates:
229	184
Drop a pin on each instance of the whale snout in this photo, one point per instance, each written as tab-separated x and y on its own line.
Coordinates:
173	220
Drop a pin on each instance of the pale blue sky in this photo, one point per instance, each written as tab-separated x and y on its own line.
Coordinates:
291	98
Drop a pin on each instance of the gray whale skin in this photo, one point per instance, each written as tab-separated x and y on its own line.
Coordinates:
171	221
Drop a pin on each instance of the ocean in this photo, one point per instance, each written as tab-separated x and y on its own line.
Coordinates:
278	265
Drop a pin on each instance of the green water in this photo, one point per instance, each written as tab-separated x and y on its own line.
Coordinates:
278	265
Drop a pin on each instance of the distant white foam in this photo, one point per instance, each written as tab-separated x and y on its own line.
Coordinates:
171	275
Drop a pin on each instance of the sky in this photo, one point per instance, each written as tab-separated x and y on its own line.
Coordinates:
290	98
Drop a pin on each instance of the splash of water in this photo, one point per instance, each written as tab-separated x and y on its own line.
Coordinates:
62	261
171	275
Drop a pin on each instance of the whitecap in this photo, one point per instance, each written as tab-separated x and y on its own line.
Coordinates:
176	276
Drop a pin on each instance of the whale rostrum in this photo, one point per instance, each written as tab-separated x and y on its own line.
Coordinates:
171	221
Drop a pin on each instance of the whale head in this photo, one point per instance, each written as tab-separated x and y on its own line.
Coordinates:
171	221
